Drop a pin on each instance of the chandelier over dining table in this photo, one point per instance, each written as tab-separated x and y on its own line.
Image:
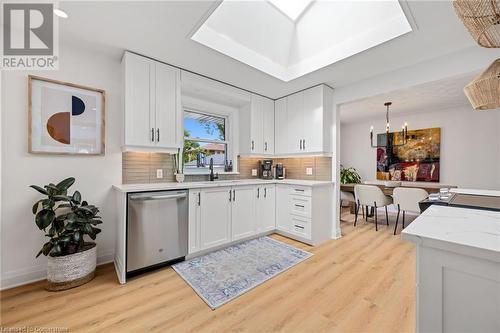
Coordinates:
389	142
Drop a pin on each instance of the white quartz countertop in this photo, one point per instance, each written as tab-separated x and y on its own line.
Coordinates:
492	193
470	232
127	188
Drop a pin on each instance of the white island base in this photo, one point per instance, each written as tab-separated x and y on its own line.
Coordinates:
458	269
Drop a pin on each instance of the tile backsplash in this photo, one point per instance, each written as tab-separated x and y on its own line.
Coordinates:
140	168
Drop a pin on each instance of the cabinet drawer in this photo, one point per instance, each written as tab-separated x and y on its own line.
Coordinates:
301	190
300	205
300	227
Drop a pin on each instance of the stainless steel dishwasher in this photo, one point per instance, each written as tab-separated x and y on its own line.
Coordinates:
157	229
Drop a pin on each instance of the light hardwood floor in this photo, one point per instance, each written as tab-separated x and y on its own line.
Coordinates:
363	282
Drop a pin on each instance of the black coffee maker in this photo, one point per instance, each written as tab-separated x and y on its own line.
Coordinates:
266	169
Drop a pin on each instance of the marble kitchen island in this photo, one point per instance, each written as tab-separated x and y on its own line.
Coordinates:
458	269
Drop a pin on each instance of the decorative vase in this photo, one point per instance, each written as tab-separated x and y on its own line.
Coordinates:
179	177
70	271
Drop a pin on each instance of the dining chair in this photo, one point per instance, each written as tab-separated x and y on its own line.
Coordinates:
371	196
349	197
407	200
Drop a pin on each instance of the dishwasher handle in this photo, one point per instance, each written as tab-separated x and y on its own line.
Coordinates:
142	197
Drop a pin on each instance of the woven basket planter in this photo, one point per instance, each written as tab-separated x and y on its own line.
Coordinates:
484	91
71	271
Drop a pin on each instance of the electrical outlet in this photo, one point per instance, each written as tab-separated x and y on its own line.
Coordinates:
309	171
254	172
159	173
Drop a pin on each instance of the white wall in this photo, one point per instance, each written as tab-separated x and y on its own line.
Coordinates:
470	145
20	238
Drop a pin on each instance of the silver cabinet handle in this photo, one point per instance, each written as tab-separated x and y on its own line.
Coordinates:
265	146
298	190
299	226
199	198
234	195
304	144
229	195
301	206
300	144
157	135
142	197
258	192
253	144
152	135
265	192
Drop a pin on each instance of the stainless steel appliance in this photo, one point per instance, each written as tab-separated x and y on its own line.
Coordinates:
279	171
266	169
157	229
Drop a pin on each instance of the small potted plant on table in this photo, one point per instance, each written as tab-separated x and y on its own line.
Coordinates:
66	221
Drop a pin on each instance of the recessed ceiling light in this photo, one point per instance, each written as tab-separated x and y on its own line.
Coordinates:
60	13
291	8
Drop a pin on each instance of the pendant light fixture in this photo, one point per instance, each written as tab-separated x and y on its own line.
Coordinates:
389	141
484	91
482	19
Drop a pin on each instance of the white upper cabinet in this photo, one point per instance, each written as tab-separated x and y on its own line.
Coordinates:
268	119
295	122
280	126
257	127
303	122
153	112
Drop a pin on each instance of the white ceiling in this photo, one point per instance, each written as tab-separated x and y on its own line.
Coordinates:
162	30
437	95
327	32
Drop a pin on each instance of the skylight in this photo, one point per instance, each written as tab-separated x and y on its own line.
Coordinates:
291	38
291	8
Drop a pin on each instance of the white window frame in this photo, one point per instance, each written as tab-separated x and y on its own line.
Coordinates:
228	142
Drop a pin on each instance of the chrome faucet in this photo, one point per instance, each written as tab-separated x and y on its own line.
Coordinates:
212	176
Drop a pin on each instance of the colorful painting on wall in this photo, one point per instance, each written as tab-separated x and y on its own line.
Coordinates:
416	161
65	118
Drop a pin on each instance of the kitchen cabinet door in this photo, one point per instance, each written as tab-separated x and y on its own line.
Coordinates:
215	217
256	122
266	209
243	212
168	110
312	138
139	101
283	221
280	126
295	112
268	126
194	224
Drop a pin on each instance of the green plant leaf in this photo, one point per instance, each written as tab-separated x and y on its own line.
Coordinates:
44	218
85	203
48	204
77	236
65	184
45	249
39	189
56	250
61	197
77	197
35	206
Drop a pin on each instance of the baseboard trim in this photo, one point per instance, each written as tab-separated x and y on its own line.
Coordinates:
38	273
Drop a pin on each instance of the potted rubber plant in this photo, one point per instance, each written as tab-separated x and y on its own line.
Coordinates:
68	222
349	176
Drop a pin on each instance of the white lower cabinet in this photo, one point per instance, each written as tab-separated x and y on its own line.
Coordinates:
221	215
243	212
194	224
215	219
266	208
304	212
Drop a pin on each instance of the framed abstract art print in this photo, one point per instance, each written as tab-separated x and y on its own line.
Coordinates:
65	118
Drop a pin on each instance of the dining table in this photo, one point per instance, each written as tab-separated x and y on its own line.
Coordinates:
388	190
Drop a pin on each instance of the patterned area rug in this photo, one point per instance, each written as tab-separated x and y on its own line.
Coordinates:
223	275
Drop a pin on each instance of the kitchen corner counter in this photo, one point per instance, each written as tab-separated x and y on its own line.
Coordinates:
130	188
467	231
